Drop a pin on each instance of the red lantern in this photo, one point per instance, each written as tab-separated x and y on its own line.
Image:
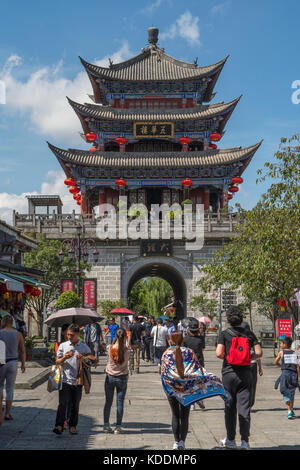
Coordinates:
237	180
76	197
233	189
121	140
215	136
91	136
92	149
74	190
120	183
212	146
70	182
79	202
184	140
186	182
230	196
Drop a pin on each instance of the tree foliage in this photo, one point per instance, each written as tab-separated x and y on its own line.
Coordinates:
108	305
263	258
150	295
205	306
68	299
45	257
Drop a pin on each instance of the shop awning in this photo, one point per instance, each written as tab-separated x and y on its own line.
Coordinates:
28	280
12	284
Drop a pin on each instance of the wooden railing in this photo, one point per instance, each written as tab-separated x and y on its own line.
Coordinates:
43	223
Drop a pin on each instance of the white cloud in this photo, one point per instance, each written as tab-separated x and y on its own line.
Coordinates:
186	27
220	8
42	97
54	185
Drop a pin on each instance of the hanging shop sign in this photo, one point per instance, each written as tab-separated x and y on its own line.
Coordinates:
150	130
90	293
284	327
67	284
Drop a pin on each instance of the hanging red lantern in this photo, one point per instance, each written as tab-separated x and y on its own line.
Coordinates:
215	136
91	136
230	196
233	189
76	197
186	182
184	140
237	180
92	149
74	190
120	183
212	146
121	140
70	182
78	202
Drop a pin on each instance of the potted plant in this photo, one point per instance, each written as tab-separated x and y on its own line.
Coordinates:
29	345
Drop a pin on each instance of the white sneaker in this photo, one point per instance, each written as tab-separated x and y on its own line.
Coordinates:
227	443
181	445
118	430
245	445
107	429
175	446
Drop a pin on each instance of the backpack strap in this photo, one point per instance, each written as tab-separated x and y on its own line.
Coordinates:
233	334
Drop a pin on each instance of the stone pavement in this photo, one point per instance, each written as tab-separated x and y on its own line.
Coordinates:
147	416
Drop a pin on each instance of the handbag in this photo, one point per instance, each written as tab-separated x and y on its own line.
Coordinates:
55	379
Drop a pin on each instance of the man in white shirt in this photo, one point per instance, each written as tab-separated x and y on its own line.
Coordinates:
160	341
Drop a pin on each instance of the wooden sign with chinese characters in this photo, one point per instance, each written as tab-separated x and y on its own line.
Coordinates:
156	247
89	293
150	130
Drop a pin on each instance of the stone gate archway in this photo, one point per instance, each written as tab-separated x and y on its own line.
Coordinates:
167	269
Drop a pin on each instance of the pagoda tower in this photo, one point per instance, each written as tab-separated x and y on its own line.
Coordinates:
153	135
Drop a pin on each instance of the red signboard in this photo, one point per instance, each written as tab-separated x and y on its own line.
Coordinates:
66	285
90	293
284	327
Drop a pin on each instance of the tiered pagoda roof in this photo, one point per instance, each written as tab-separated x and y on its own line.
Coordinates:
153	64
197	159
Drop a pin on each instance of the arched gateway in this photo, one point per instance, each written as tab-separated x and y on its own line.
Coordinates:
168	269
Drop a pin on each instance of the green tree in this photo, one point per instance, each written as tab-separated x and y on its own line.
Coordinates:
68	299
45	257
263	258
204	305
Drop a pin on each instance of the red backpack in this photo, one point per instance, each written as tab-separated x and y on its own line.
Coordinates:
239	352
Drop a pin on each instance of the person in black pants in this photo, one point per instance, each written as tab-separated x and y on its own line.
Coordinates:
196	342
236	379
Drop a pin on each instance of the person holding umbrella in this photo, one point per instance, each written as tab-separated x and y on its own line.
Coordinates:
68	355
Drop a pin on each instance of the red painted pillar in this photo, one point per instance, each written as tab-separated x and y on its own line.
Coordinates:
206	199
84	204
102	200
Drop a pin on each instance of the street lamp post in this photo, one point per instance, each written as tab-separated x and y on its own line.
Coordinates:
79	248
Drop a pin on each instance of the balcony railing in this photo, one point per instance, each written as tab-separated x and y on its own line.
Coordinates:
62	223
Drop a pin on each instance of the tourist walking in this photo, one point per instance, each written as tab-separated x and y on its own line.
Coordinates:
68	356
170	327
116	379
290	376
234	347
92	337
195	341
148	339
160	341
113	327
136	334
185	382
14	345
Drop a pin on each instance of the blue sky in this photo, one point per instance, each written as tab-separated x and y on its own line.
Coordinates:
39	47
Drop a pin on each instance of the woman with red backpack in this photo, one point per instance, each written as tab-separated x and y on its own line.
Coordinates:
234	346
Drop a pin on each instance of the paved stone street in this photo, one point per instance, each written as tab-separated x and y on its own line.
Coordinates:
147	416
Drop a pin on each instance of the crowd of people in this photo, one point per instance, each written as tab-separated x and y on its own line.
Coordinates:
178	352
